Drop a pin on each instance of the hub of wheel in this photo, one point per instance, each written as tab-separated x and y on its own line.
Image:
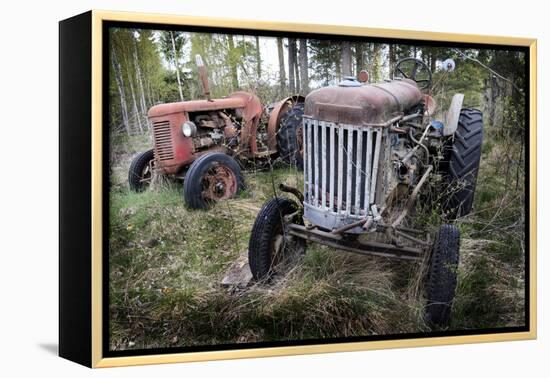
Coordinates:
219	183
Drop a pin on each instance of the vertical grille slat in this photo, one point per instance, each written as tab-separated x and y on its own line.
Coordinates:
349	162
306	155
309	160
358	171
162	137
332	146
340	167
323	166
316	163
368	165
375	165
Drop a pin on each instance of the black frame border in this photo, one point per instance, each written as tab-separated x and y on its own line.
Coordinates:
266	33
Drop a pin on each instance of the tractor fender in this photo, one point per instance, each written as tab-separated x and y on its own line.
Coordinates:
275	117
451	120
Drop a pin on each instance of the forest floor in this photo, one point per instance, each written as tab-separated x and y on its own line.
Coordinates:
167	262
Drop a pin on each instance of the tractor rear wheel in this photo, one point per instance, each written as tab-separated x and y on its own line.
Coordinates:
442	275
140	174
462	163
214	176
290	136
269	247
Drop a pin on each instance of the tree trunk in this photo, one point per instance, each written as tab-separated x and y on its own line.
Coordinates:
232	63
142	102
359	57
376	63
176	64
346	58
135	110
280	52
149	92
338	69
258	58
297	72
304	75
134	105
291	64
392	57
121	92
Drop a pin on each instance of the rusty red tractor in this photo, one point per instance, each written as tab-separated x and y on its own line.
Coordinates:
204	142
369	150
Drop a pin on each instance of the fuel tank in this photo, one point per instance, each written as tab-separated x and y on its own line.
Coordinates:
354	103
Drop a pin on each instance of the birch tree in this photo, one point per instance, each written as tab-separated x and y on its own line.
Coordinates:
175	56
120	86
142	102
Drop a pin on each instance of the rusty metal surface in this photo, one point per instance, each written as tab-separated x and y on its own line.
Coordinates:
371	103
430	105
363	76
362	247
232	102
273	124
173	150
203	77
251	112
219	183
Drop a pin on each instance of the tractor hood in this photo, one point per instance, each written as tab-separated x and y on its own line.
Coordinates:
353	103
248	103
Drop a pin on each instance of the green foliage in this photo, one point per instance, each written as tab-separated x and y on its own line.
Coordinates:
325	60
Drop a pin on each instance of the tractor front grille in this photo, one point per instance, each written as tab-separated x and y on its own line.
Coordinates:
162	136
340	171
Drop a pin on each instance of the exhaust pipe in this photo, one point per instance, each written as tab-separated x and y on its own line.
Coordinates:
203	77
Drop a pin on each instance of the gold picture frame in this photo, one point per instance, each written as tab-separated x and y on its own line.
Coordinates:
93	263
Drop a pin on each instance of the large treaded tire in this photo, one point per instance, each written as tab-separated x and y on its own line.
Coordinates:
267	227
288	135
137	169
442	275
463	163
193	182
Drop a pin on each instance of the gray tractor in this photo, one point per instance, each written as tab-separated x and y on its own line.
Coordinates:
368	152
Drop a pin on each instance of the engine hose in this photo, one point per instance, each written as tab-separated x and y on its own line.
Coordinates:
419	143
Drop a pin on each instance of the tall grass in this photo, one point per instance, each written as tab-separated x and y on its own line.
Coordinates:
167	264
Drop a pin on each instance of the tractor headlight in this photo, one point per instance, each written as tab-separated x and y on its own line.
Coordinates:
189	129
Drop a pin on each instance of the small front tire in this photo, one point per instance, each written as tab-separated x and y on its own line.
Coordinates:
269	246
442	275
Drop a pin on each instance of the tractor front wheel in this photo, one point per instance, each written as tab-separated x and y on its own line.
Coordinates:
270	247
140	172
442	275
212	177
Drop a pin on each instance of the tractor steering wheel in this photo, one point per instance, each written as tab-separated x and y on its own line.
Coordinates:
413	69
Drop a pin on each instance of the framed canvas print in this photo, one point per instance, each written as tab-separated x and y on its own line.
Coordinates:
234	189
